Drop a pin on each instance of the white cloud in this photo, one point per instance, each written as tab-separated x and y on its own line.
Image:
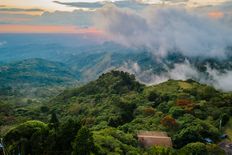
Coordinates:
181	71
144	76
163	30
220	80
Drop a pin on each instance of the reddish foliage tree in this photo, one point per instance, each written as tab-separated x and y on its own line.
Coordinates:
186	104
183	102
149	111
169	122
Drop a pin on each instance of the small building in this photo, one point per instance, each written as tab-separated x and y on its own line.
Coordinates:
154	138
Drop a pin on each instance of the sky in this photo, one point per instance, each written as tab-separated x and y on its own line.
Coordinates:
194	28
78	16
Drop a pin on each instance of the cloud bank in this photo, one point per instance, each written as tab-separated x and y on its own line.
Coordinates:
166	30
20	9
181	71
132	4
89	5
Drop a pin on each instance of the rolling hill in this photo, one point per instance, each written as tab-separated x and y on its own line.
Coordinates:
27	75
115	107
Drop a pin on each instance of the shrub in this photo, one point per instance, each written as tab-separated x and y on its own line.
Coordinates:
83	143
176	111
197	148
169	122
225	118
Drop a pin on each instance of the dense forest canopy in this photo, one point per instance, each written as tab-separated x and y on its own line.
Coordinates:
105	115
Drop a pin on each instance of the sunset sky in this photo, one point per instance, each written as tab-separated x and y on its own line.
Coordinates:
75	16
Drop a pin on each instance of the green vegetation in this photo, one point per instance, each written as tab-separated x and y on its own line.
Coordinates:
35	78
83	143
104	116
201	149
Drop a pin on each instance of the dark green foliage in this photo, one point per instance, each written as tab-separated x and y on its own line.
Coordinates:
194	149
163	107
224	118
21	136
18	78
35	72
67	133
188	135
207	93
61	138
6	108
155	98
111	140
44	109
201	149
83	143
114	108
114	82
214	149
115	121
161	151
126	111
195	131
176	111
35	137
39	141
54	122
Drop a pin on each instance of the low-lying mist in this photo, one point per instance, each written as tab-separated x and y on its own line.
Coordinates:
182	71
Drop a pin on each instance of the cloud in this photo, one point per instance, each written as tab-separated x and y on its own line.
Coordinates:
164	30
176	1
6	18
82	4
77	17
21	9
225	9
132	4
144	76
86	12
220	80
181	71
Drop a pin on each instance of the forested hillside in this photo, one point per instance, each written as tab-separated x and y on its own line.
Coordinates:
31	77
105	115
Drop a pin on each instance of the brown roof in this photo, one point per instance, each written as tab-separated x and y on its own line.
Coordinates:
154	138
152	133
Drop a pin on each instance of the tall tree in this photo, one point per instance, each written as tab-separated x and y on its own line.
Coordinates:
54	122
83	143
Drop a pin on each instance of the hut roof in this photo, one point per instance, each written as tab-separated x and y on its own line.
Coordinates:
154	138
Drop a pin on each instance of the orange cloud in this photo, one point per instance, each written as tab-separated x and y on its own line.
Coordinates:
216	14
47	29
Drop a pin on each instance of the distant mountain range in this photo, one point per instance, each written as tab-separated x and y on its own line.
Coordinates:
28	75
35	61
